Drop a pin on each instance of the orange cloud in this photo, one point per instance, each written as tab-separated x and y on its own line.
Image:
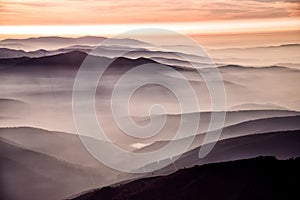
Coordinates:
55	12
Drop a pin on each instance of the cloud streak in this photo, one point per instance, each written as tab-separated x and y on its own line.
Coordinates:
33	12
272	1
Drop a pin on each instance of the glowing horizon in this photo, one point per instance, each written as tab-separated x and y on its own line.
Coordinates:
232	26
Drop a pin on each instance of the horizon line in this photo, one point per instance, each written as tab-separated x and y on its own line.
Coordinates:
216	27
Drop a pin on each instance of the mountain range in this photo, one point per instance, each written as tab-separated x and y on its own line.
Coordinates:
41	150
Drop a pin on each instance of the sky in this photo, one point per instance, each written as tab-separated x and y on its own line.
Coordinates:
108	17
32	12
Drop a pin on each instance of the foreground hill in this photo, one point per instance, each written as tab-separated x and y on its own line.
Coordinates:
26	174
39	164
256	178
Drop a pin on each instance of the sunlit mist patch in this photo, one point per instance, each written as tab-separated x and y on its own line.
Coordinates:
139	145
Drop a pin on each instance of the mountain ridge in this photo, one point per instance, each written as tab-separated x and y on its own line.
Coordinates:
254	178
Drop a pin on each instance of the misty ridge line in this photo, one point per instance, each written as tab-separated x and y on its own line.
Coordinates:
189	66
99	39
143	119
261	56
41	131
116	43
226	131
181	57
256	119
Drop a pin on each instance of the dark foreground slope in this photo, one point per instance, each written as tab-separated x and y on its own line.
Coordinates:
256	178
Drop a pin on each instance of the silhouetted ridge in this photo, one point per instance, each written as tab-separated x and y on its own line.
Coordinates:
256	178
122	61
70	58
13	61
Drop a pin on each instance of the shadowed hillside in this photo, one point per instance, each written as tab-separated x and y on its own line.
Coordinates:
257	178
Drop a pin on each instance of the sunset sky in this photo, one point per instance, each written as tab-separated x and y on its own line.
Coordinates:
107	17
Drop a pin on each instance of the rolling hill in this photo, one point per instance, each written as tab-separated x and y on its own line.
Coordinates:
256	178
